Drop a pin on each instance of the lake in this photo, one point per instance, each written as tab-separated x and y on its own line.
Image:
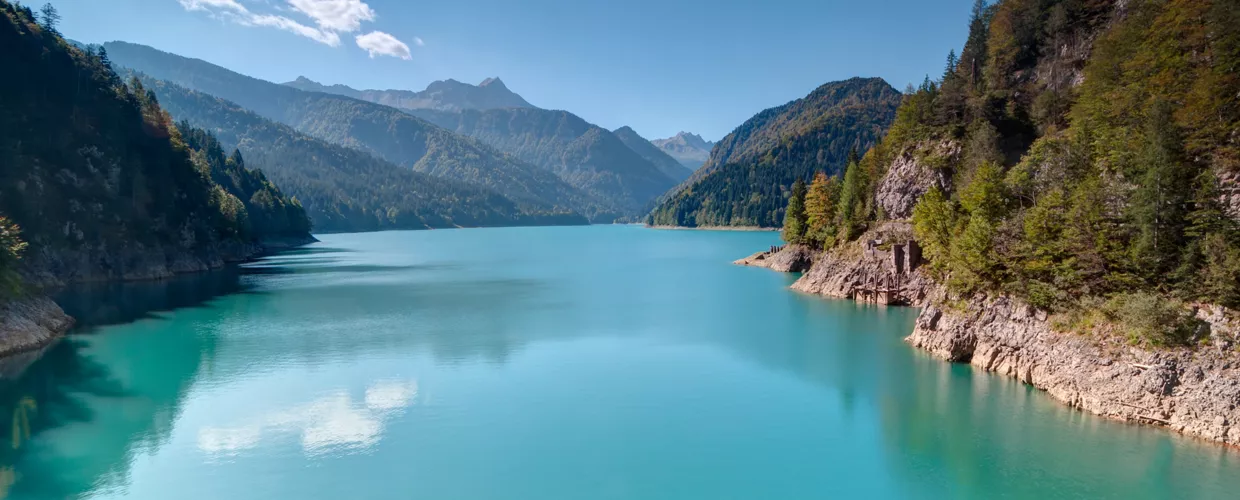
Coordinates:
604	362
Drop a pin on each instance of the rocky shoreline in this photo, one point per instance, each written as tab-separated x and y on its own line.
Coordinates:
1194	391
32	322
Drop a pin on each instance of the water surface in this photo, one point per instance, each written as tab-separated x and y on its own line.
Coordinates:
548	363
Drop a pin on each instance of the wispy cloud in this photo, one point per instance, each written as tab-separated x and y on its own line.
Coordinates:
383	44
335	15
331	18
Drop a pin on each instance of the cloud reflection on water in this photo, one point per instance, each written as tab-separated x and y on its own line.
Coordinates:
330	425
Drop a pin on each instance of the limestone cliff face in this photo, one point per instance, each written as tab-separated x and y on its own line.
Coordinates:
912	174
1193	391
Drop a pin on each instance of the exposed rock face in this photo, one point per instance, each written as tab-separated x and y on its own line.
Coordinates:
1229	185
789	259
1193	391
30	323
912	175
44	267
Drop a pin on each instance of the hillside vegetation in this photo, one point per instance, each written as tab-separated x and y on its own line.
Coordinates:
344	189
747	179
95	172
1097	146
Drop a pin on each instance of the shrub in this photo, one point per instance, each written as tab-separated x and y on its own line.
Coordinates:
1153	319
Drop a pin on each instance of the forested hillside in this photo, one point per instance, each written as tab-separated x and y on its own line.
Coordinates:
98	181
584	155
344	189
383	131
746	180
1082	155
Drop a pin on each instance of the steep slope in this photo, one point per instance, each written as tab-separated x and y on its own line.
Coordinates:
746	180
1070	181
100	182
689	149
442	95
585	155
344	189
653	154
380	130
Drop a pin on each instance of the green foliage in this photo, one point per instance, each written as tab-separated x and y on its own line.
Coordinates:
1153	319
1106	189
11	248
746	180
795	220
820	209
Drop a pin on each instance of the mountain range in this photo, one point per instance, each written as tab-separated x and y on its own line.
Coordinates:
689	149
621	169
442	95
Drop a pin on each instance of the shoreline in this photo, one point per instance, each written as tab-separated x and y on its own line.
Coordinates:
35	321
1191	391
714	228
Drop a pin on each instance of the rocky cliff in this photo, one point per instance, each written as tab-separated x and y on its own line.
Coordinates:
1195	391
30	323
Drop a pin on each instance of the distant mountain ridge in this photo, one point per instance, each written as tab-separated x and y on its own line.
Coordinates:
746	180
441	95
583	154
621	169
383	131
652	153
687	148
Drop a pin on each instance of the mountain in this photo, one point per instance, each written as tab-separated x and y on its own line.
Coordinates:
586	156
745	181
383	131
668	165
442	95
99	182
344	189
689	149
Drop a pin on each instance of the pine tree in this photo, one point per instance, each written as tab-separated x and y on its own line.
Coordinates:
820	210
794	216
49	18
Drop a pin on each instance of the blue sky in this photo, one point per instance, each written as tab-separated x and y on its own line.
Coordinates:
659	66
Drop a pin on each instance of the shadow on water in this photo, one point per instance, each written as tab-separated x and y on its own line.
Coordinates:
55	388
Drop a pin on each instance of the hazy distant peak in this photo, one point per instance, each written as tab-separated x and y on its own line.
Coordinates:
493	82
625	129
687	148
442	95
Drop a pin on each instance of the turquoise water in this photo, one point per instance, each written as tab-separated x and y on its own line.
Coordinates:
541	363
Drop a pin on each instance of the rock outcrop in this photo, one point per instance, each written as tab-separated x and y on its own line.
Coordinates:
30	323
786	259
911	175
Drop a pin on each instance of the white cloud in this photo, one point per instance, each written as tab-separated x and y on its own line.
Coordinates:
383	44
331	18
286	24
335	15
210	4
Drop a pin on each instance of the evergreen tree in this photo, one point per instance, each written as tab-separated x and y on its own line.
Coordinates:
49	18
794	215
820	210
